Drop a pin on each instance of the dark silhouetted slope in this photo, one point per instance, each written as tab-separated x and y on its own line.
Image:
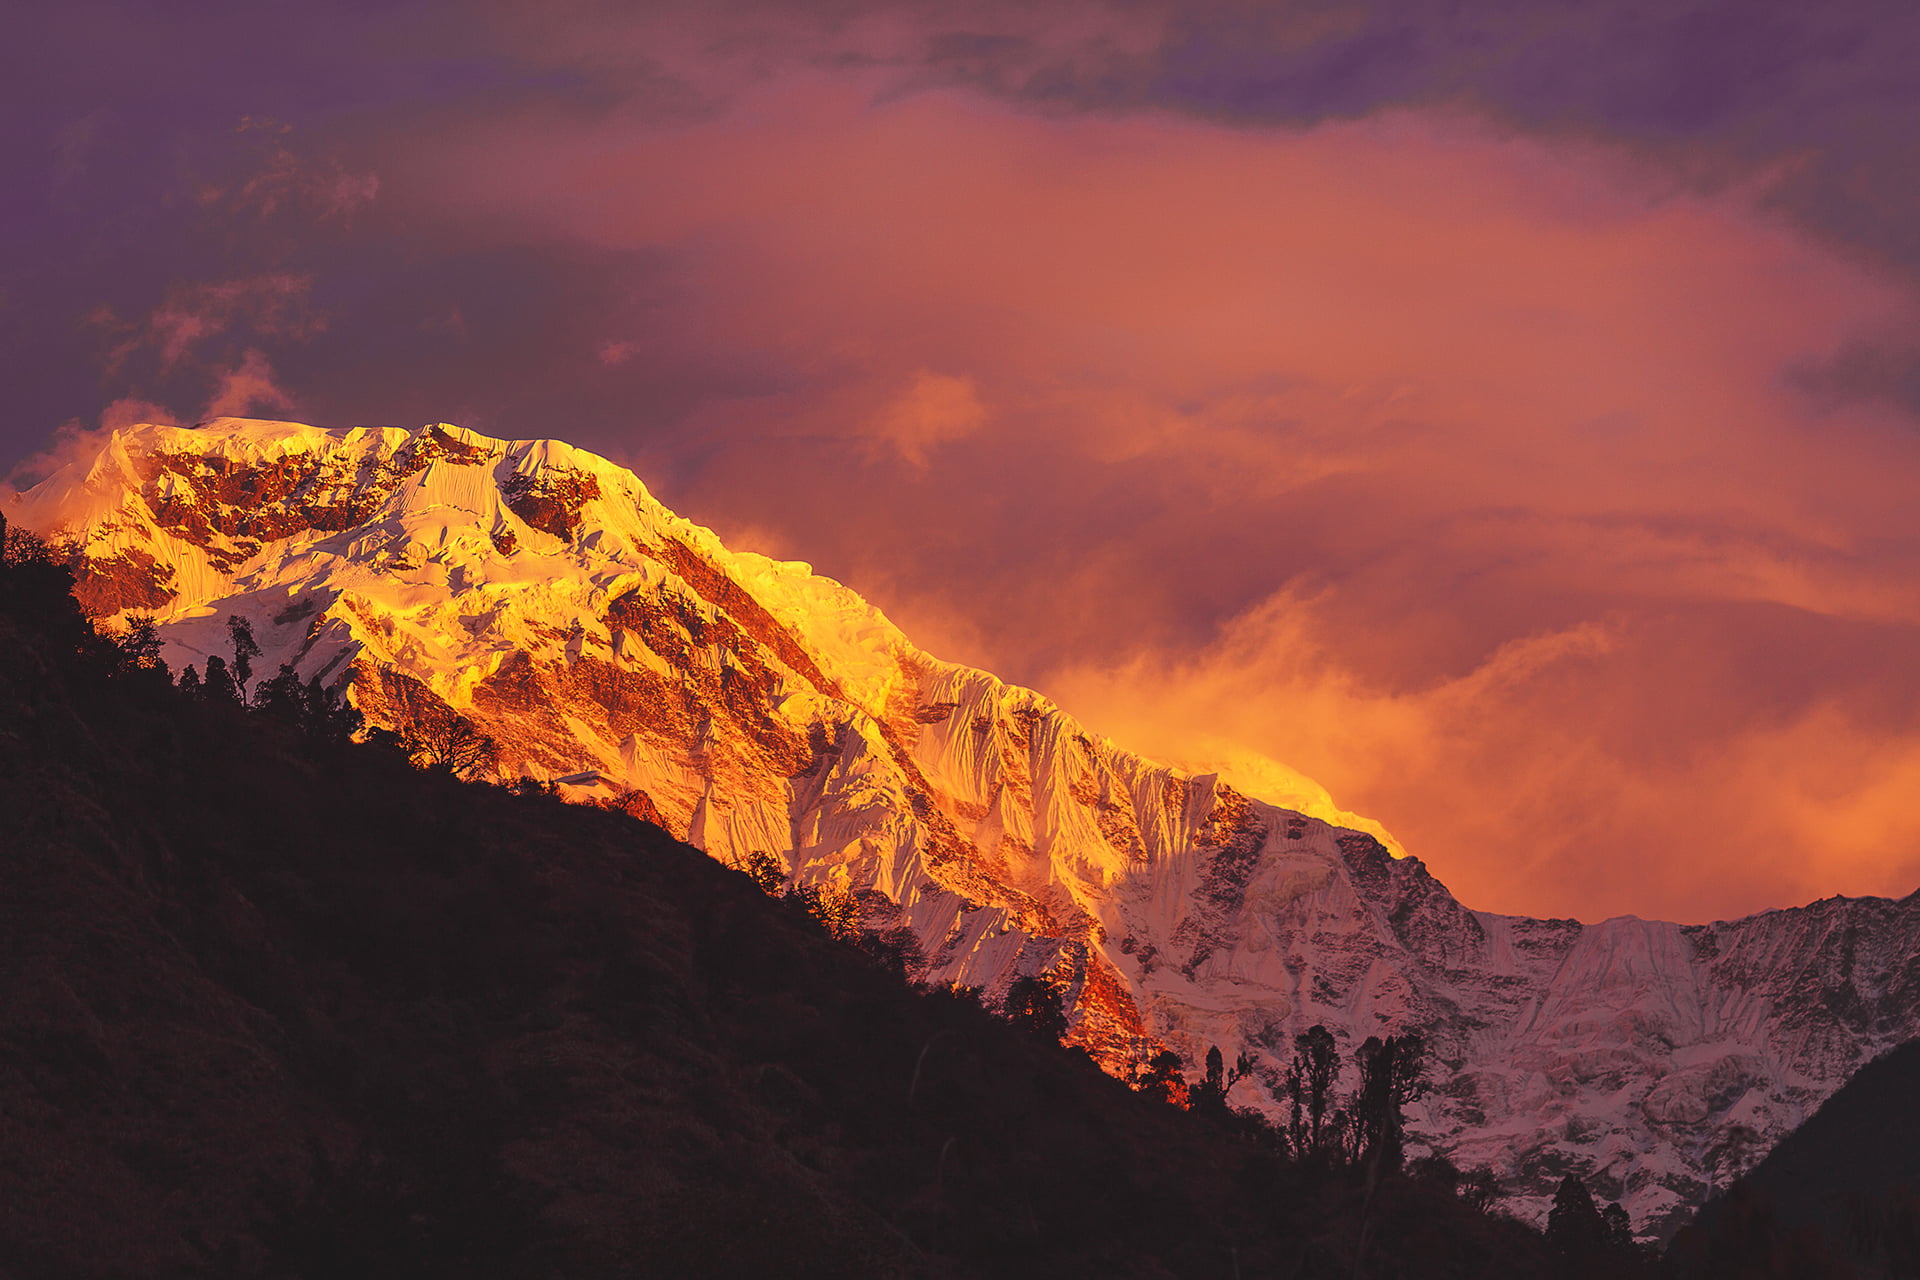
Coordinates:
1839	1195
274	1006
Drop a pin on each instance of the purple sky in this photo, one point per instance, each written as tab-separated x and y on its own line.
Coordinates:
1504	414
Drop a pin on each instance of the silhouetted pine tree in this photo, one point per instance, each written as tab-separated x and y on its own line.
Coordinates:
1574	1228
245	650
219	685
1616	1229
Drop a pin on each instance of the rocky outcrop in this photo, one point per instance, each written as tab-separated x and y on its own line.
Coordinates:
752	707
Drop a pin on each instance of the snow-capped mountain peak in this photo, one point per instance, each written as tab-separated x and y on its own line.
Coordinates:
753	707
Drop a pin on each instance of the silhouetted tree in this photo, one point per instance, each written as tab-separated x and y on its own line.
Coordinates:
1392	1074
764	870
24	547
190	682
382	738
1343	1138
834	907
245	650
1616	1229
1210	1095
1035	1004
1479	1190
139	644
450	743
899	950
282	696
1160	1077
219	685
1309	1087
1436	1171
38	588
1574	1228
327	715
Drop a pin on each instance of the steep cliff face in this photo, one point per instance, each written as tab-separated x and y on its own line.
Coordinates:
749	705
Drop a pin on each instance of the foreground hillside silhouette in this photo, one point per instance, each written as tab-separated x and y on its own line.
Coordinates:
1838	1197
277	1004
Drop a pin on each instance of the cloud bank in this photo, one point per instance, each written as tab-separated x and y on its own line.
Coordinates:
1524	459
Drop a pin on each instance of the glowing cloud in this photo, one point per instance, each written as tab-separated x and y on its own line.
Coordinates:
1463	434
933	410
1550	505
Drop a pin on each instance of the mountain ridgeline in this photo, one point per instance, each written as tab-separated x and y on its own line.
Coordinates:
536	596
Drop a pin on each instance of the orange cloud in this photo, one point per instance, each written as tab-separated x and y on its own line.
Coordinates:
933	409
1576	773
248	389
1467	476
196	313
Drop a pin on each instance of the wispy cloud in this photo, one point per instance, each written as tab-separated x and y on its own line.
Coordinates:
284	180
195	315
247	389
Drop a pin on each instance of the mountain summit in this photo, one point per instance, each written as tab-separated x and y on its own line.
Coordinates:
757	710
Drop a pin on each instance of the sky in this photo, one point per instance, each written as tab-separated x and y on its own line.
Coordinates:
1506	414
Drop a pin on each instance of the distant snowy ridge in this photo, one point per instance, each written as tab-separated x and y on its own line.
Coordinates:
750	705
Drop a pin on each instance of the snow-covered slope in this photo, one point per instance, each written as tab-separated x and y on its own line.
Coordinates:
750	705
